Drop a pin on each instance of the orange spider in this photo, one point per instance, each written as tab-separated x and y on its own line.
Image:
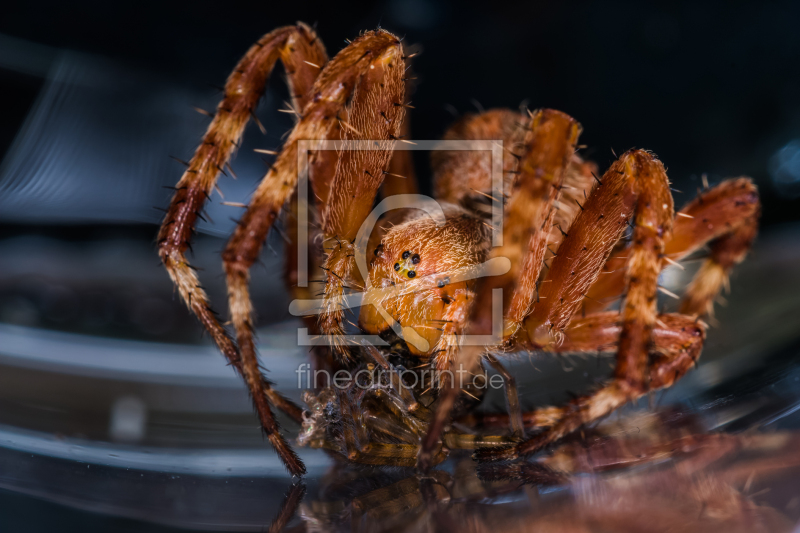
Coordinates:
419	284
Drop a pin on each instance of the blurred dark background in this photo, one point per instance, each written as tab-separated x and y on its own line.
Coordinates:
98	95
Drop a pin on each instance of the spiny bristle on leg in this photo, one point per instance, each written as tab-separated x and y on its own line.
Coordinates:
290	459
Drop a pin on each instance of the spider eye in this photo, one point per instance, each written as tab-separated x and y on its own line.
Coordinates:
379	250
396	267
443	282
415	259
406	254
411	274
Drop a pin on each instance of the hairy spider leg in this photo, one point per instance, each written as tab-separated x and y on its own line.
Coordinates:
546	145
635	184
598	333
726	252
677	341
374	115
726	217
327	99
529	214
295	47
322	166
401	178
581	255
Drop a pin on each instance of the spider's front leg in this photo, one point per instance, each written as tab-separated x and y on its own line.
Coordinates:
635	184
300	50
347	73
374	118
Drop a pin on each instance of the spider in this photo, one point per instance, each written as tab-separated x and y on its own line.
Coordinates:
563	253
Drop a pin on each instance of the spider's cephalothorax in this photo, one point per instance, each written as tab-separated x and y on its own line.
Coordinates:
430	279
